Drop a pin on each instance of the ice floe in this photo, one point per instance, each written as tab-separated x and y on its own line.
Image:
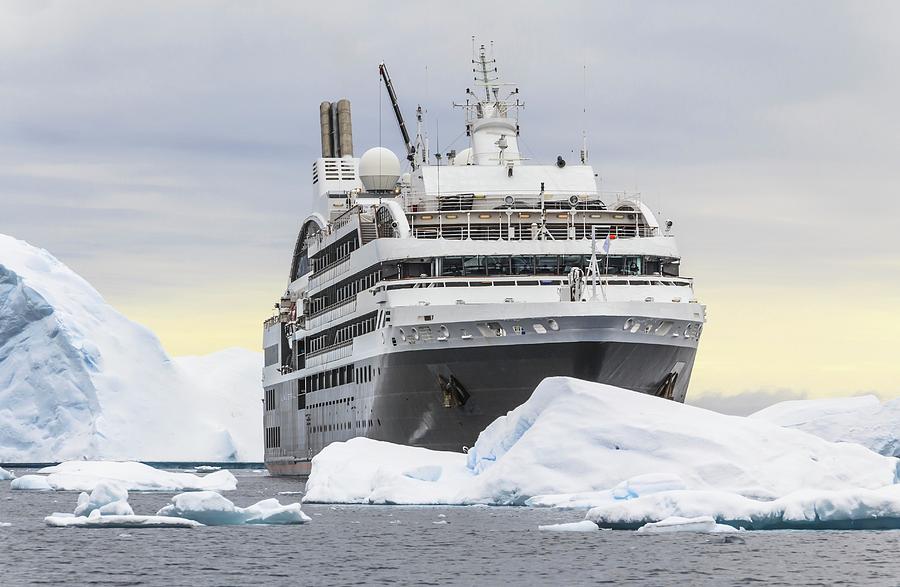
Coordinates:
211	509
130	476
577	443
674	524
864	420
6	475
95	520
582	526
107	497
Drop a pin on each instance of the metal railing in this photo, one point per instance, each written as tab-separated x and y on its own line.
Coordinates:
332	312
330	272
523	231
328	354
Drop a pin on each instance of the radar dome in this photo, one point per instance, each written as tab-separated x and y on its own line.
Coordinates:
379	169
464	157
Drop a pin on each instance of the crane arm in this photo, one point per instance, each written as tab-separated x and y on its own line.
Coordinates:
410	149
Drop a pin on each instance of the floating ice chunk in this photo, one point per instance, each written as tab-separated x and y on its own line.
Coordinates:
5	524
207	469
676	524
109	497
85	475
6	475
270	511
132	521
31	483
211	509
582	526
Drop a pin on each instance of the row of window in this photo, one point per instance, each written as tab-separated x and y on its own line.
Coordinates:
341	333
485	265
273	437
344	290
270	399
344	426
334	253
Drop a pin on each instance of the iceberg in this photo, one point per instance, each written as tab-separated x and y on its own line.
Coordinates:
6	475
676	524
847	509
578	443
863	420
211	509
80	380
129	476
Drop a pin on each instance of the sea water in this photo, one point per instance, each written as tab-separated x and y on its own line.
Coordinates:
387	545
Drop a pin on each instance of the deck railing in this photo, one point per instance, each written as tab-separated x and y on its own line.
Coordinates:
328	354
332	312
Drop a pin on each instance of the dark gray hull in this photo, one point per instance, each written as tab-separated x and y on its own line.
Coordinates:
498	379
409	401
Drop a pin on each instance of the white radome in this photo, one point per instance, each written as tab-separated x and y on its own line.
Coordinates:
379	169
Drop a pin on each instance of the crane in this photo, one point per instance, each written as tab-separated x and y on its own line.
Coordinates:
410	149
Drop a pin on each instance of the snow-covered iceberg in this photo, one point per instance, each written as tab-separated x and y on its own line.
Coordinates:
211	509
864	420
6	475
588	443
107	507
79	380
130	476
846	509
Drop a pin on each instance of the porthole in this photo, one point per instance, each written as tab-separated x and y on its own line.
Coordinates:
648	327
553	324
687	331
444	331
635	327
402	335
539	328
414	334
628	324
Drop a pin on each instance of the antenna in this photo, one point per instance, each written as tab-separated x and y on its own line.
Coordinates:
584	151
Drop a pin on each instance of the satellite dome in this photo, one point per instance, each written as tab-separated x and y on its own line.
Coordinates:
464	157
379	169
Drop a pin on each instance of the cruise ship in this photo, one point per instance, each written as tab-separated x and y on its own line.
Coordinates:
426	299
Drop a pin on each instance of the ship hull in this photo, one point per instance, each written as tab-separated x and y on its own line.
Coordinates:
442	399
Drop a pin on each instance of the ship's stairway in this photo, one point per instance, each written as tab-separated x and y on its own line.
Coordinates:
367	232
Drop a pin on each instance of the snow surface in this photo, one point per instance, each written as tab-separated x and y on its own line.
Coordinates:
576	442
129	476
676	524
79	380
211	509
863	420
6	475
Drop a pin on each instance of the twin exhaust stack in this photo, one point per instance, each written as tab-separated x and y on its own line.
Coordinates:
337	130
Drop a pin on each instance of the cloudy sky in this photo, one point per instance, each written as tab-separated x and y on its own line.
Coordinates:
163	150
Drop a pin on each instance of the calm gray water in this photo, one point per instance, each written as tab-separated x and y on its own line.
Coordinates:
352	545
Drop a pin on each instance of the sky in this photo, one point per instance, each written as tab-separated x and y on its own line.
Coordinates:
163	151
